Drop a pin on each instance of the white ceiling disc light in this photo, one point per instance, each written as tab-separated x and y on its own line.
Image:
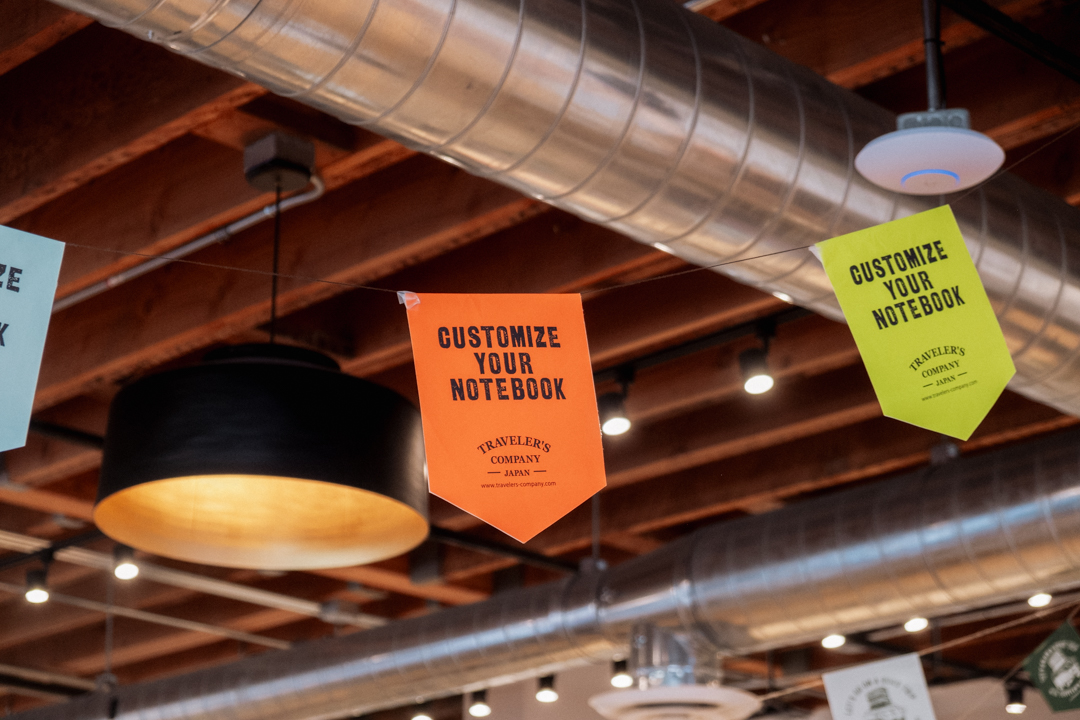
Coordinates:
677	702
929	160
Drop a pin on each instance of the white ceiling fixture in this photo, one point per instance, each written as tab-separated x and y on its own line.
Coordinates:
934	152
677	702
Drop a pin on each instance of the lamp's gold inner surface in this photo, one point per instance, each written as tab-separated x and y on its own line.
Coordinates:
258	521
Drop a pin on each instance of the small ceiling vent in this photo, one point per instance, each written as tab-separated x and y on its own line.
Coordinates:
678	702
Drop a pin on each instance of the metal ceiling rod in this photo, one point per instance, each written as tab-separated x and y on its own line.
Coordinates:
970	533
643	117
194	582
211	238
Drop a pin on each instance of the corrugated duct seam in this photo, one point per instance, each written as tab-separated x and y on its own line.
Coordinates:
970	533
638	115
641	116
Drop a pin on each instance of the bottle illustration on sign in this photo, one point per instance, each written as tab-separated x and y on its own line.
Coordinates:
881	707
1065	668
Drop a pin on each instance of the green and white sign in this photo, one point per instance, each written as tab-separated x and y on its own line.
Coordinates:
921	319
1054	668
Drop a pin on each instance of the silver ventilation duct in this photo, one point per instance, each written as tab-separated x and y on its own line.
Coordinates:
641	116
970	533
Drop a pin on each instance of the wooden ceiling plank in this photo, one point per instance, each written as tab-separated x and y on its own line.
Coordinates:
384	579
365	231
854	44
795	409
576	254
46	460
22	623
30	27
1011	96
869	449
76	121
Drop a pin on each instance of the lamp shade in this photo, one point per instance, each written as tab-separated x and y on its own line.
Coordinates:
264	456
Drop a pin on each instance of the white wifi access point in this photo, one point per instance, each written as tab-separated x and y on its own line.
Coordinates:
933	153
677	702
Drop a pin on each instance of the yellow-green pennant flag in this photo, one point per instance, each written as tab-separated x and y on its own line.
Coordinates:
921	319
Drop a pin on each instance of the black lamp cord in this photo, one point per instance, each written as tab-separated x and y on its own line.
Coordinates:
274	274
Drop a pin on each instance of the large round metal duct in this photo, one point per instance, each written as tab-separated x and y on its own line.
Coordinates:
970	533
641	116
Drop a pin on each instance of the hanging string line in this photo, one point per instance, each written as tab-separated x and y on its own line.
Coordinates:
358	286
275	275
1027	157
818	682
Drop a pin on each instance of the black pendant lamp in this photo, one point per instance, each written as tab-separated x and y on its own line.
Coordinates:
263	456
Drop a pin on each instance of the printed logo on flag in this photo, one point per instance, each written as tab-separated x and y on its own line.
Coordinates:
508	404
892	689
920	316
1054	668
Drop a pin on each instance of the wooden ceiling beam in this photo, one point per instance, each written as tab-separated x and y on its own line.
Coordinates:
22	623
575	255
1011	96
46	460
1055	169
168	197
69	126
30	27
854	44
772	475
365	231
796	409
808	347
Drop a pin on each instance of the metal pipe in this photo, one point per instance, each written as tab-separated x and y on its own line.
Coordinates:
155	618
194	582
970	533
318	187
645	118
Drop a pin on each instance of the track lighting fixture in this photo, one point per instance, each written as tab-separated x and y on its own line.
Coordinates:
1014	698
831	642
124	566
478	705
545	689
612	406
620	676
754	364
37	591
1039	600
916	624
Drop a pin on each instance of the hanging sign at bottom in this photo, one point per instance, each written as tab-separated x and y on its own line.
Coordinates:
892	689
1054	668
921	319
508	405
29	268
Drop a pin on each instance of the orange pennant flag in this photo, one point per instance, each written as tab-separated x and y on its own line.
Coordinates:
508	405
